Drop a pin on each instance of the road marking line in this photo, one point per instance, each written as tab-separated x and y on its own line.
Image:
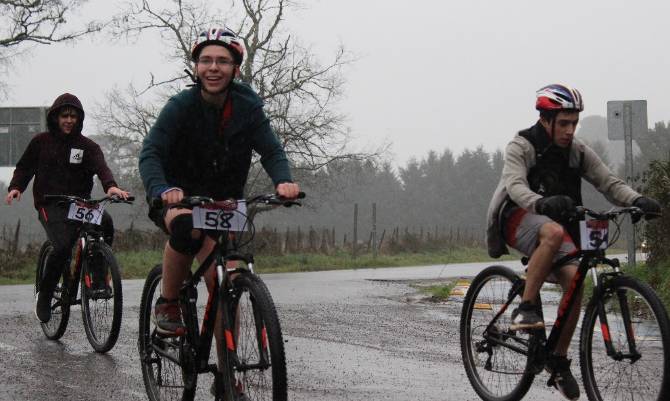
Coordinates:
7	347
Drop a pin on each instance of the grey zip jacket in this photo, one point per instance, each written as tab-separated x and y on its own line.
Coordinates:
520	158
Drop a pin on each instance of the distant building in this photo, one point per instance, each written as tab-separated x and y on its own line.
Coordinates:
17	126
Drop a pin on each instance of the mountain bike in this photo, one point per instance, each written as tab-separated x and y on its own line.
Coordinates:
94	269
251	358
624	347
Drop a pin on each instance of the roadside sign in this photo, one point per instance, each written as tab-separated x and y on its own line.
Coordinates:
616	118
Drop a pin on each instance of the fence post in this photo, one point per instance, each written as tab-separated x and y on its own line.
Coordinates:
353	247
374	230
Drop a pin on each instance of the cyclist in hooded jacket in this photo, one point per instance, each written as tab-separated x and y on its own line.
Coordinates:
63	162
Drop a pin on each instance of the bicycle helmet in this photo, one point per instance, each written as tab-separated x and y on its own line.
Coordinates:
558	97
219	36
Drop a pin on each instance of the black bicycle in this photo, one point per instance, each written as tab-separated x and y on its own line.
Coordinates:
624	347
93	268
251	356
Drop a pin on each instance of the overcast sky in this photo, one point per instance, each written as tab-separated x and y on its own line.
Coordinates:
430	75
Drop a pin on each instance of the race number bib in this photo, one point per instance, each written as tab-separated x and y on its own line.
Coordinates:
85	214
221	218
593	234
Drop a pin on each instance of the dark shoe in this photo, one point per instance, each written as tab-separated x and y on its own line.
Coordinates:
525	317
104	292
562	378
43	306
167	318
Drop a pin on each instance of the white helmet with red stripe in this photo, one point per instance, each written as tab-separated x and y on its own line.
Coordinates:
559	97
219	36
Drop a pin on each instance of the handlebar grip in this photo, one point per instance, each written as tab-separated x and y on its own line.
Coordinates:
301	195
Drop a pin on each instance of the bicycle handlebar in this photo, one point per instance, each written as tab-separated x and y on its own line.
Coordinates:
633	211
266	199
73	198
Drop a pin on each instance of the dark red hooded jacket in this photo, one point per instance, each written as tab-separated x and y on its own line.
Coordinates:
61	163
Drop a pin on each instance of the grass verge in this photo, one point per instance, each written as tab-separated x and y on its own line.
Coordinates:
658	277
137	264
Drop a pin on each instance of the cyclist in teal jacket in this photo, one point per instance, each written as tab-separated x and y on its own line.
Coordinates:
202	144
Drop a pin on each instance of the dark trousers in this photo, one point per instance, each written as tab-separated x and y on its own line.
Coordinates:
63	234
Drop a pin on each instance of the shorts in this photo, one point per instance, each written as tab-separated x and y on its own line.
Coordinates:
521	230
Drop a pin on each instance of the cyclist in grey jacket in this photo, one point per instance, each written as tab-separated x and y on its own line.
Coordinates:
540	186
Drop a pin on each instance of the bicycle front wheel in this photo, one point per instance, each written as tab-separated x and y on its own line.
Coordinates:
60	305
494	355
160	357
260	370
638	364
101	298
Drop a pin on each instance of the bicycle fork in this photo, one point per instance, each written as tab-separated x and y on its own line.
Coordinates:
622	300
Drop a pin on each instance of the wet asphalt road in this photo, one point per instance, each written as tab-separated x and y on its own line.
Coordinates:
350	335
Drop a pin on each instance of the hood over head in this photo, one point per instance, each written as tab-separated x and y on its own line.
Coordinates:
66	99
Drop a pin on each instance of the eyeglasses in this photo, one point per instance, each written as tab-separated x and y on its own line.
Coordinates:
208	61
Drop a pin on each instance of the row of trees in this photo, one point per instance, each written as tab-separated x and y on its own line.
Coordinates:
300	92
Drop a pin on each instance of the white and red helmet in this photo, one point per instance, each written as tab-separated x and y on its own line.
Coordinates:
219	36
559	97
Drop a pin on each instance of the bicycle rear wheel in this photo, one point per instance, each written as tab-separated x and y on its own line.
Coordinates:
640	373
101	298
60	306
494	356
163	377
260	368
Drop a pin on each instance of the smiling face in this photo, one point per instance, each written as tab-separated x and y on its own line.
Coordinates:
216	69
562	130
67	119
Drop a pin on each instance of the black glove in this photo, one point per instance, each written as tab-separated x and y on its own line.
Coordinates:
557	207
650	207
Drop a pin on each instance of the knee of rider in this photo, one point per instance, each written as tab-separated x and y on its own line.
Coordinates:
183	238
59	254
108	231
552	234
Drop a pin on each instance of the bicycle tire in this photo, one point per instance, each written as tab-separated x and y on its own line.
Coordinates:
501	375
101	330
605	378
163	379
60	311
260	371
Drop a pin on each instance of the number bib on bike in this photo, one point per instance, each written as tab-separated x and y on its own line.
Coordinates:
221	217
593	234
85	214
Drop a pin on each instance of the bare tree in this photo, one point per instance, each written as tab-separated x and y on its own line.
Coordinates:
36	21
299	92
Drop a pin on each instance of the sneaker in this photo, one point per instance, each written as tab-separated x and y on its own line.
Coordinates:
167	318
562	378
241	396
525	317
43	306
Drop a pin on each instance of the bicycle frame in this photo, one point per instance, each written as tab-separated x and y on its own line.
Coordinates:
88	234
201	338
589	260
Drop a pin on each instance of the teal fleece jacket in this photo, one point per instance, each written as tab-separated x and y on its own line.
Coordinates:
207	150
